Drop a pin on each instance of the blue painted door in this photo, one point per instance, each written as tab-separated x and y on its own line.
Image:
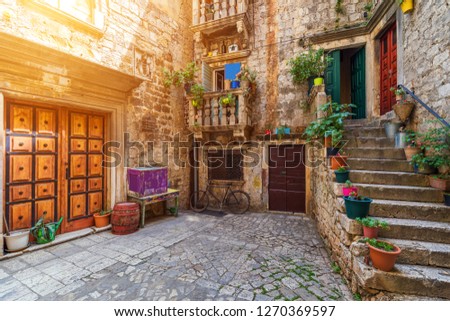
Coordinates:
333	77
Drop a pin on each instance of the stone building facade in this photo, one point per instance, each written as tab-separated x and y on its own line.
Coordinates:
94	60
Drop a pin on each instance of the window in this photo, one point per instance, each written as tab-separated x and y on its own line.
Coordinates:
225	164
87	12
219	76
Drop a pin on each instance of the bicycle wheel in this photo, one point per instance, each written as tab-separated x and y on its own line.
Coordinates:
199	201
238	202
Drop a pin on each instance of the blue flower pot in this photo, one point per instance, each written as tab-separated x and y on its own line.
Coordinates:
357	208
235	84
341	177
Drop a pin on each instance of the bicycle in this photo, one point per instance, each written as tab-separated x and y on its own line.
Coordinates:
237	201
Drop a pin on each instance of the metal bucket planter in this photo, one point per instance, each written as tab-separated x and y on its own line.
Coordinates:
357	208
403	110
391	129
400	140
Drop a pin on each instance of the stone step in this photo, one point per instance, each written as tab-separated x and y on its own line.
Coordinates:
418	230
377	153
414	252
389	178
405	278
401	193
436	212
370	142
374	164
364	132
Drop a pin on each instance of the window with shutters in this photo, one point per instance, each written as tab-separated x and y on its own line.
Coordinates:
225	164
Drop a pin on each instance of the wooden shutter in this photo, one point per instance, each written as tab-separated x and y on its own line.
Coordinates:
207	76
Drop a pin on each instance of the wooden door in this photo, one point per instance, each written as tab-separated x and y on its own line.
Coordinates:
31	164
388	69
333	77
358	83
84	172
287	188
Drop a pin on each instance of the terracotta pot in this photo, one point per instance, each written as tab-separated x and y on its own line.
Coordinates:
370	232
245	84
383	260
101	220
338	161
403	110
444	169
346	191
442	184
328	141
411	151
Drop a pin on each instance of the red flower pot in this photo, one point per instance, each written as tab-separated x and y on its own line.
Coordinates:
442	184
383	260
370	232
348	190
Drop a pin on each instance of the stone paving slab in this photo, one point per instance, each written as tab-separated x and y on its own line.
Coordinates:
192	257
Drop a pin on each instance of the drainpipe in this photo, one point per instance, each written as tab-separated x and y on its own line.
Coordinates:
195	146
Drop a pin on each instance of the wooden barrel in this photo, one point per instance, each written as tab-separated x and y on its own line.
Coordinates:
125	218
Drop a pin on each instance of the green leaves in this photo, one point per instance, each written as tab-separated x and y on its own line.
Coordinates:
370	222
180	77
378	244
435	144
309	64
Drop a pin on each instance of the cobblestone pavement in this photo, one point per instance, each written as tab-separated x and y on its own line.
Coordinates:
192	257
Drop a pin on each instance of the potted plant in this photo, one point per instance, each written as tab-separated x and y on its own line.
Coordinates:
227	100
184	77
372	226
247	79
16	240
421	165
235	84
197	92
406	5
399	93
282	130
441	182
357	206
338	161
382	254
309	64
45	232
349	188
342	174
330	125
436	145
447	199
102	218
403	109
411	148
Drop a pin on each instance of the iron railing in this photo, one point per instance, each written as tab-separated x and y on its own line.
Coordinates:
428	108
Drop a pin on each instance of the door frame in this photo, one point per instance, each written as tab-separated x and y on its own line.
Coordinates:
62	111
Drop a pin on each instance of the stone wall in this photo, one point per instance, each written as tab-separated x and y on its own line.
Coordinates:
426	57
138	38
278	27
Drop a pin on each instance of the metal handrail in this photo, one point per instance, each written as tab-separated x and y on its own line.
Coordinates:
431	111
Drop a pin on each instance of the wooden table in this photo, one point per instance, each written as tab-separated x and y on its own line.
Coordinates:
153	199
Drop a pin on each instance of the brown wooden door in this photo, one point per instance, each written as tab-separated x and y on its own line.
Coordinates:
31	164
287	189
84	172
388	69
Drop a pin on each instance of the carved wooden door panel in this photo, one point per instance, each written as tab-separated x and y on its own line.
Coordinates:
84	172
31	164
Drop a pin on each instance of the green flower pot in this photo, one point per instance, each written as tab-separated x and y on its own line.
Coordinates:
357	208
341	177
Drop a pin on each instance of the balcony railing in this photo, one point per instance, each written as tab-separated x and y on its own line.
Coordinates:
211	116
208	10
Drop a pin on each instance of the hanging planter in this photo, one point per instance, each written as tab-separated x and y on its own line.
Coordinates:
406	5
403	110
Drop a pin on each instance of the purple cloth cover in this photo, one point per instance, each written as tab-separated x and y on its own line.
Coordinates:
145	181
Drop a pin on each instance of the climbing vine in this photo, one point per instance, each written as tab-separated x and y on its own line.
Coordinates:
339	8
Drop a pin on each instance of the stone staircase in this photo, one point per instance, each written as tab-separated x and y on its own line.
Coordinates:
419	221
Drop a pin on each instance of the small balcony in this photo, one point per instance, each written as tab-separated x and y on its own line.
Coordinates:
204	11
212	116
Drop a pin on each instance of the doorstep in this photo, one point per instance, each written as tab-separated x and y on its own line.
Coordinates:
60	238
